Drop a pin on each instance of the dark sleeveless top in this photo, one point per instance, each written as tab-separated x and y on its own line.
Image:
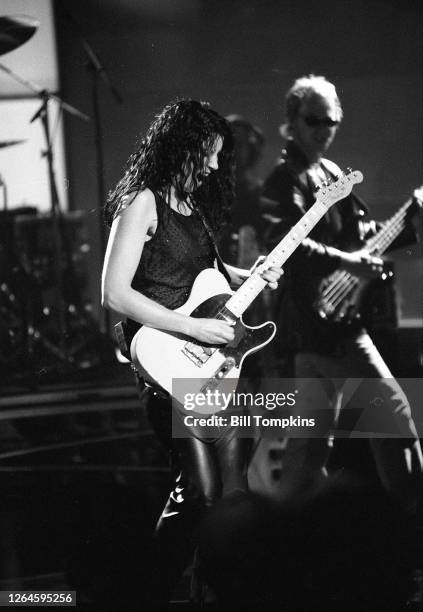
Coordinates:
171	260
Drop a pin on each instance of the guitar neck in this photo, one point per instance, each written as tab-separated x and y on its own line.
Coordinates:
379	243
251	288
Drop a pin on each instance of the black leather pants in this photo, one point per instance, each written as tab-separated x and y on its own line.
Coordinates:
204	471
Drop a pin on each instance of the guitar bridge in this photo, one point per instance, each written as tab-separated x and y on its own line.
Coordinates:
197	354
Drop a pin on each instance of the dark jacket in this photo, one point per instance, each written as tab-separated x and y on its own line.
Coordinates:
345	227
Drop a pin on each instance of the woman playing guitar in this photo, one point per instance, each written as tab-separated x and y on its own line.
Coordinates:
163	213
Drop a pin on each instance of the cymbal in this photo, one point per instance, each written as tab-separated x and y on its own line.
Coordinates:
15	31
10	143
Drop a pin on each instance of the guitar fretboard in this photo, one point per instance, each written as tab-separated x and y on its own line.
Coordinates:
250	289
378	244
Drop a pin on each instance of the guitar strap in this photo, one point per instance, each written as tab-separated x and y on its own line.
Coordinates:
220	264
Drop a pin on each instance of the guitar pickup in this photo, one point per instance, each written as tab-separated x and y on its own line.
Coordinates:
197	354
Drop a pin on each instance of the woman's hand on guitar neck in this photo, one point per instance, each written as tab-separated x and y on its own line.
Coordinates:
210	331
362	264
271	274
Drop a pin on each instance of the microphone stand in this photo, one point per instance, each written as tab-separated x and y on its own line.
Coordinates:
39	91
97	72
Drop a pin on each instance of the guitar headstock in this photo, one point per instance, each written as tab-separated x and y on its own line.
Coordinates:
340	188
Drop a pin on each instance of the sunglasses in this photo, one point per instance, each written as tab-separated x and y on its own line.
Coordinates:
313	121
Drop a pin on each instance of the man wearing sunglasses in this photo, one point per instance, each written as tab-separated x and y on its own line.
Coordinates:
343	367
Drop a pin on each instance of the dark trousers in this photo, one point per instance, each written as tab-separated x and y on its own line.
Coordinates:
357	380
204	471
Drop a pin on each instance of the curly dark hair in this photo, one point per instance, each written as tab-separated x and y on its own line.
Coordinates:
181	136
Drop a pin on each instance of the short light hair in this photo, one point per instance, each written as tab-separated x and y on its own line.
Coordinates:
305	88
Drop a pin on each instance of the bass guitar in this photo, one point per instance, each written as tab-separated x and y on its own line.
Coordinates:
179	364
341	293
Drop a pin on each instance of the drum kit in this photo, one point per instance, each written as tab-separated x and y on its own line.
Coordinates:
45	324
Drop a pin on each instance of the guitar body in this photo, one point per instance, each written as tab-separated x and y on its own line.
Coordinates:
340	296
161	357
345	309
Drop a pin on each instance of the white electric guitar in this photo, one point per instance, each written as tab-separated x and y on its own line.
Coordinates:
180	364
